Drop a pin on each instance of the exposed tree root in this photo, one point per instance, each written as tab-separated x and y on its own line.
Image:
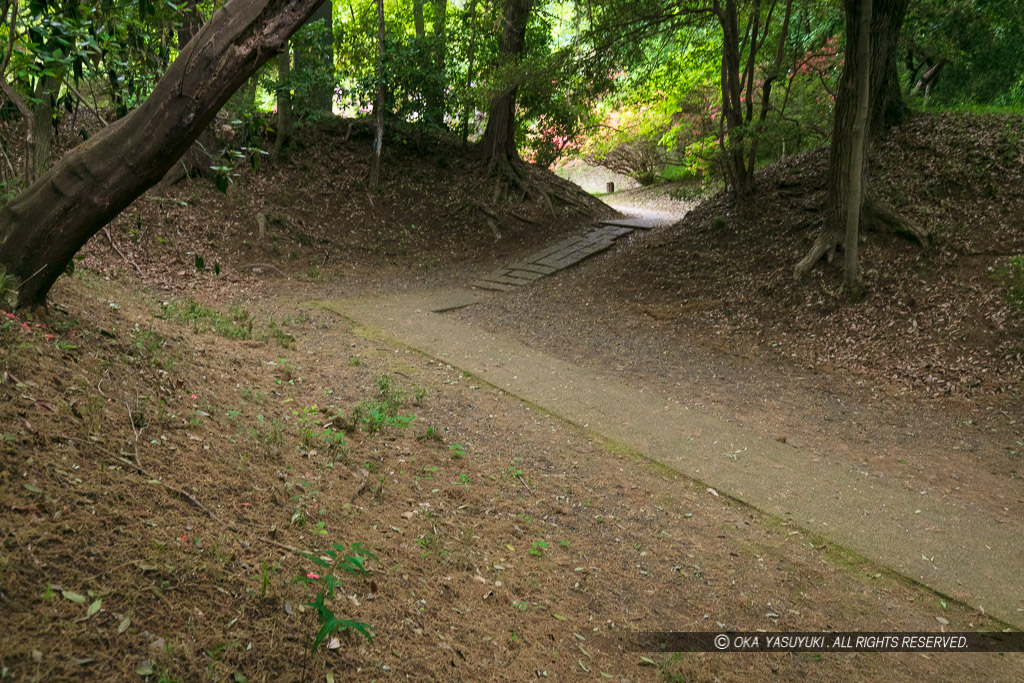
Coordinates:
877	217
884	219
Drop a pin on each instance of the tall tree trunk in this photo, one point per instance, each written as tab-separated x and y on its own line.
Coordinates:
740	129
469	70
378	105
435	93
885	109
284	100
732	80
499	140
44	227
855	174
47	88
323	97
417	19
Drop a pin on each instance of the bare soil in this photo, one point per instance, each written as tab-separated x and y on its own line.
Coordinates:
171	472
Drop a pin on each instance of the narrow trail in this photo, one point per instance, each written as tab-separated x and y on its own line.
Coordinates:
951	548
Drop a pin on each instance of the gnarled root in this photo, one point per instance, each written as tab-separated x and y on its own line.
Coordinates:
877	217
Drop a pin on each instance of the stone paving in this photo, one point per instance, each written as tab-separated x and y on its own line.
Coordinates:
566	253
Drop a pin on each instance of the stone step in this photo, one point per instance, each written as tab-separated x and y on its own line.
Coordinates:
497	287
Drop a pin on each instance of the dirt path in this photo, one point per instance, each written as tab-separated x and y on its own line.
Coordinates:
954	550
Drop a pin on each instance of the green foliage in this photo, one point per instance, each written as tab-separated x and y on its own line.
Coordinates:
977	43
340	559
377	415
432	433
313	73
237	324
8	289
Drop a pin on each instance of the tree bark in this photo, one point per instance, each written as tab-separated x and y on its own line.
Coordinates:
47	88
435	108
417	19
469	70
740	129
885	109
378	105
44	227
498	143
855	174
284	100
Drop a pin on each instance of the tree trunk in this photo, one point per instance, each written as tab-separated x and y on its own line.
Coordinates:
885	109
731	143
378	105
740	129
284	100
469	70
47	88
435	92
197	160
322	97
44	227
499	140
417	19
855	174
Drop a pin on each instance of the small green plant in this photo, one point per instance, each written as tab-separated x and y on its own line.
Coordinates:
267	432
432	433
390	395
287	372
299	517
8	288
351	560
512	472
458	450
355	361
538	548
236	324
151	346
285	340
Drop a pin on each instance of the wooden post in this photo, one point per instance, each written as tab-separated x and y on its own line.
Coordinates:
610	188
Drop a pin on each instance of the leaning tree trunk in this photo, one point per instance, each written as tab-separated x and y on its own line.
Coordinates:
44	227
886	109
499	140
203	152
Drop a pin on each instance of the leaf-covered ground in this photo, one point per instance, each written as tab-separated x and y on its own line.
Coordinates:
165	467
164	459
